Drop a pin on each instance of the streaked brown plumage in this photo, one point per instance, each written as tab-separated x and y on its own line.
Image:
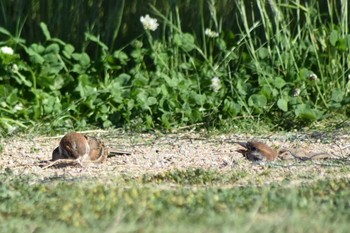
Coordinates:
257	151
72	146
98	150
82	147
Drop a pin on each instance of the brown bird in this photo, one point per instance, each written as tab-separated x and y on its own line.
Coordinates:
72	146
76	146
257	151
79	148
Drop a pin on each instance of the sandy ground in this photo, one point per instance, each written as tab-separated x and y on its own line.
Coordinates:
154	153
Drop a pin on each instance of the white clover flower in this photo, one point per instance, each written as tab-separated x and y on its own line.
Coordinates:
18	107
215	84
14	68
211	33
6	50
149	23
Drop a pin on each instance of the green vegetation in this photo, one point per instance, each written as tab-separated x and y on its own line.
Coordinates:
281	63
76	64
85	63
127	204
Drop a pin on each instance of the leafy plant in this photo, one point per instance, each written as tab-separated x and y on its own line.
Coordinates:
281	63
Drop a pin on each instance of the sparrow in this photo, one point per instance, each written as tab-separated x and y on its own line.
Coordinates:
257	151
72	146
76	146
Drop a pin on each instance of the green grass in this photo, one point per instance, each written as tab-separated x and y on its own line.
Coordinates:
176	201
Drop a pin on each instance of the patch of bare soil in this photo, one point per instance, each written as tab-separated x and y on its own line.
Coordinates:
153	153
